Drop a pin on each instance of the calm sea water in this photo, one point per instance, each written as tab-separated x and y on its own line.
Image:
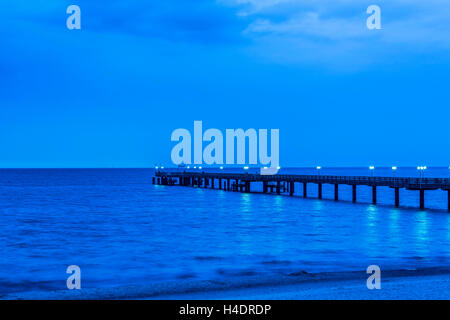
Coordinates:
122	230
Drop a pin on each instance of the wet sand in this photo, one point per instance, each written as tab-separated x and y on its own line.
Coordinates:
432	283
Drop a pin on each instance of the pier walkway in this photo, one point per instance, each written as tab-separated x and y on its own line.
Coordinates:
279	183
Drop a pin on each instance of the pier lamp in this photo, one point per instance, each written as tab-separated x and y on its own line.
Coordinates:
318	170
199	168
162	168
371	168
278	167
221	168
421	173
394	169
156	167
245	168
195	167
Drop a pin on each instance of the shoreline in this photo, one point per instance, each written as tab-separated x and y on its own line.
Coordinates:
427	283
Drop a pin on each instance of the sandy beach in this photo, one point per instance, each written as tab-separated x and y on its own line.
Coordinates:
432	283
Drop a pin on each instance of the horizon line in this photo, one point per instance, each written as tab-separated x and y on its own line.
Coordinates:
218	167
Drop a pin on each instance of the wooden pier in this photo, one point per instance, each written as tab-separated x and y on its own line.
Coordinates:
280	183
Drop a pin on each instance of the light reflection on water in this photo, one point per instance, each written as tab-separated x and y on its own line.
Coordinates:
421	233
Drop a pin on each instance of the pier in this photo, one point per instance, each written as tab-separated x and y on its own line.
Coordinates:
285	184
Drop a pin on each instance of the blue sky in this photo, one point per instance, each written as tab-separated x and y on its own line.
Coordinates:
112	93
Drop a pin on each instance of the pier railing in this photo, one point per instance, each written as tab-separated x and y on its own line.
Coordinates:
280	183
408	183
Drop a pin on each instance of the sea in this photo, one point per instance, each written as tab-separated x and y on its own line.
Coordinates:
121	230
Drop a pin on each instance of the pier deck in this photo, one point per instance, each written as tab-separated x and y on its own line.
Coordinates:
280	183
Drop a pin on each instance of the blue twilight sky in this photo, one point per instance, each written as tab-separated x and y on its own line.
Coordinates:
111	93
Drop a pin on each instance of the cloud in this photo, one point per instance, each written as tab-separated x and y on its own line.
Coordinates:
201	21
310	24
327	32
335	33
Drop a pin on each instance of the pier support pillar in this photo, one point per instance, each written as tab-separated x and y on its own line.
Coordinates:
247	186
158	181
320	190
153	180
422	199
278	187
448	199
212	183
220	184
374	194
228	185
305	190
354	193
397	197
336	192
264	187
291	188
236	185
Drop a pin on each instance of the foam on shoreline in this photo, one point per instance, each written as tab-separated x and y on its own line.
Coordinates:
202	288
